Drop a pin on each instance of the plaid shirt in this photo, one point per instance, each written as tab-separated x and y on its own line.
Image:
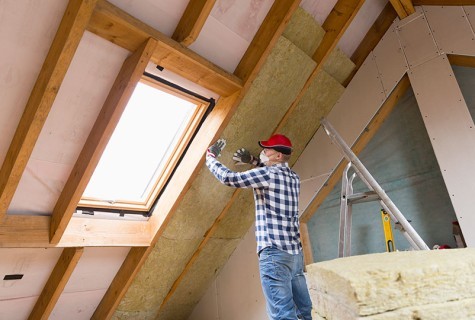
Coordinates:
276	193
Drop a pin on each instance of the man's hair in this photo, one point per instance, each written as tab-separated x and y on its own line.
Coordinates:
285	157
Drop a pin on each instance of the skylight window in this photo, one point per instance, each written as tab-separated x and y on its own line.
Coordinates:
147	143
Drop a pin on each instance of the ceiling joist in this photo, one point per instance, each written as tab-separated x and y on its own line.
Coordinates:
119	95
55	285
58	59
192	21
404	8
117	26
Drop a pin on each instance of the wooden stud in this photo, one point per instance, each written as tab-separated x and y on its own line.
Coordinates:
56	283
359	145
119	95
463	61
117	26
397	5
192	21
58	59
269	32
408	6
306	244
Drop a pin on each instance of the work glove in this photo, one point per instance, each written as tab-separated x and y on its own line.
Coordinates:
215	149
242	157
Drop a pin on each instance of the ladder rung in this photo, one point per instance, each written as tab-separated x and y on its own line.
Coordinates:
362	197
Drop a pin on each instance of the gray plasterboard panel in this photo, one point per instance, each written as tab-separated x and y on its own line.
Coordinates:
416	15
470	12
389	58
451	29
318	158
308	190
351	114
417	41
358	104
451	131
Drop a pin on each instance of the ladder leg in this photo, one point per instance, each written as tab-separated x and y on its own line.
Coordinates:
343	211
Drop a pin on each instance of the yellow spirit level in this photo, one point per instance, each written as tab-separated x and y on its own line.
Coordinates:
388	232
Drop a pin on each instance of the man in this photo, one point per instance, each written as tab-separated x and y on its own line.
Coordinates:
276	192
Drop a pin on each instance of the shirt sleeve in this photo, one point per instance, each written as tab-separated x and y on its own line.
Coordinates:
254	178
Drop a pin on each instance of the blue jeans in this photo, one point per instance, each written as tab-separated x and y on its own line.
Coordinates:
284	285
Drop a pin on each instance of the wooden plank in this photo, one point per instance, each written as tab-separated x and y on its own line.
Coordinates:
269	32
117	26
335	25
192	21
58	59
359	145
372	38
33	231
306	244
56	283
119	95
463	61
408	6
397	5
121	282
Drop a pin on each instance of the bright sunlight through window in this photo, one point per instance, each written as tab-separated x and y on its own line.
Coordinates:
146	144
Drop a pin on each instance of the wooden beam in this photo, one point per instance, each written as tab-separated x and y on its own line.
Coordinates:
192	21
121	283
181	182
359	145
56	283
117	26
404	8
269	32
306	244
58	59
335	25
372	38
119	95
21	231
463	61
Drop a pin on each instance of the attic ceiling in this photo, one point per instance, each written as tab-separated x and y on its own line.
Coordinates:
66	76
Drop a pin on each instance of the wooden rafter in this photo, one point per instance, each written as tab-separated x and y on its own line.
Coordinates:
359	145
119	95
58	59
56	283
404	8
117	26
192	21
187	171
272	27
33	231
372	38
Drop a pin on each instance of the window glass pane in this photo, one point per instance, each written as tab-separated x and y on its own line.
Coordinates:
140	146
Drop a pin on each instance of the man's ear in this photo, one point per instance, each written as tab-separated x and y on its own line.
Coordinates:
279	156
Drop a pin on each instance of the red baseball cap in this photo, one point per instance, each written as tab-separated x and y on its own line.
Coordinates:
279	143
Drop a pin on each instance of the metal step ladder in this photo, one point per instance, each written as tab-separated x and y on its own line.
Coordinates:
375	193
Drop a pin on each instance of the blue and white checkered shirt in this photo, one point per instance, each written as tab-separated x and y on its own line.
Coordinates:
276	193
